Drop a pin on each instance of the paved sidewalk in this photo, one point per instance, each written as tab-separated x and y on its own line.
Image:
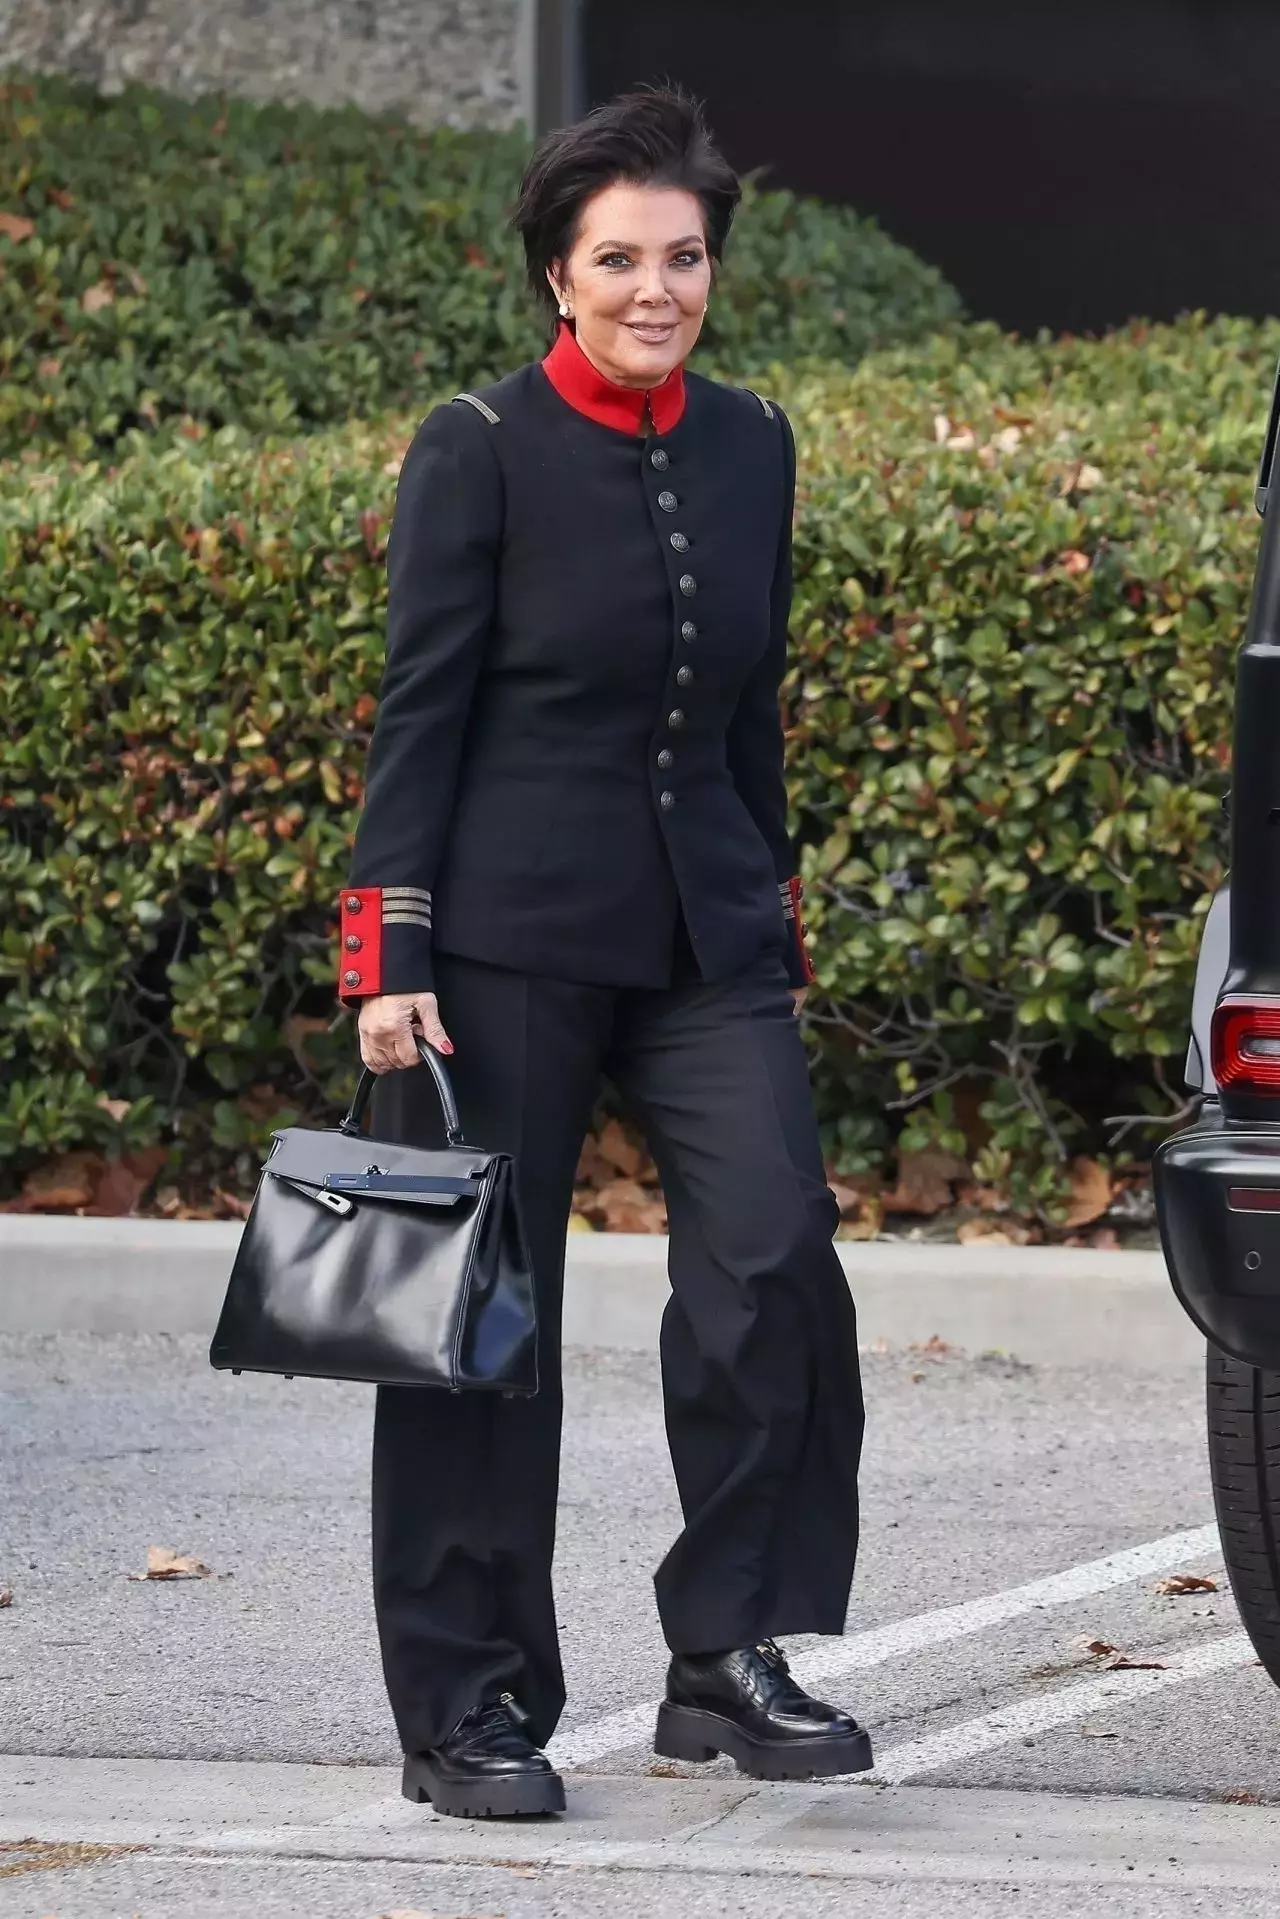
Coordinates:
94	1832
1047	1304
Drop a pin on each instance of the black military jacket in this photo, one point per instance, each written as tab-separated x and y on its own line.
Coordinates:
578	737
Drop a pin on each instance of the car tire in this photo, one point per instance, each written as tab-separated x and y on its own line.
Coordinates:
1243	1405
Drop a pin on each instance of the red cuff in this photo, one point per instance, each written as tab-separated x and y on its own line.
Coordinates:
793	906
360	943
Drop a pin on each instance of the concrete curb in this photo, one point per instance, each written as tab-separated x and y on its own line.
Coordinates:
1048	1305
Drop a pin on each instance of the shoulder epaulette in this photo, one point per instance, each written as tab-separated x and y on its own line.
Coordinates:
481	406
768	410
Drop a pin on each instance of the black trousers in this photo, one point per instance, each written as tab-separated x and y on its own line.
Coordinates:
759	1354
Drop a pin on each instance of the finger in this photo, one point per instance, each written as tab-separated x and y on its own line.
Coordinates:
378	1041
428	1011
402	1045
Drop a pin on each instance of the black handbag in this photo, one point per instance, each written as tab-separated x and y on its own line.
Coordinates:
368	1261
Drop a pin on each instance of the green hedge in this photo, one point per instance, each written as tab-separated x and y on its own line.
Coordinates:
284	268
1022	571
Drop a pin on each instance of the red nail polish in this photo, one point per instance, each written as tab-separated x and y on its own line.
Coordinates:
446	1046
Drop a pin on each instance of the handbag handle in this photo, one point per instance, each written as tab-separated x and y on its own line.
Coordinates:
350	1121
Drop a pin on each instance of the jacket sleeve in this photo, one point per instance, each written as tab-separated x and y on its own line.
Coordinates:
755	739
442	562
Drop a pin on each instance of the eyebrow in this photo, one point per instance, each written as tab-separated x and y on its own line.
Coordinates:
629	246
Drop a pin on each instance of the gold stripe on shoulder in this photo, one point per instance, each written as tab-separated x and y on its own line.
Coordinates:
480	406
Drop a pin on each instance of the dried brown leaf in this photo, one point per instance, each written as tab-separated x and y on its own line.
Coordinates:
991	1232
1091	1192
117	1108
924	1182
620	1152
16	226
124	1181
164	1563
6	1596
593	1168
932	1348
866	1226
1186	1583
845	1197
232	1203
62	1185
100	295
623	1206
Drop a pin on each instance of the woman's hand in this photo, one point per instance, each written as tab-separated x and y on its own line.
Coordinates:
799	994
388	1025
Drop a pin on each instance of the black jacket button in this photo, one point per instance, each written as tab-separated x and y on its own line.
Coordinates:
688	631
685	676
665	758
680	542
675	718
688	585
666	801
668	502
660	459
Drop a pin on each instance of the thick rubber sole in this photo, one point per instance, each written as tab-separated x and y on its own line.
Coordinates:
520	1797
686	1732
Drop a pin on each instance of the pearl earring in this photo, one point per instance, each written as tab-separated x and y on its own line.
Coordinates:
564	309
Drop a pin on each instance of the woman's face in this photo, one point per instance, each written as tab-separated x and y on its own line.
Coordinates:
636	281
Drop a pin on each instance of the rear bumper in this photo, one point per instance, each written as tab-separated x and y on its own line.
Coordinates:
1217	1191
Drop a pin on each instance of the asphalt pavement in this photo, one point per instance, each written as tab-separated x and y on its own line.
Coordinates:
221	1744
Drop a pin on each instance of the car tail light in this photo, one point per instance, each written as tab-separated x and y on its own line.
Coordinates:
1244	1044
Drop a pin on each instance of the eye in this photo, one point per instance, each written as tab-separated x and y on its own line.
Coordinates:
614	260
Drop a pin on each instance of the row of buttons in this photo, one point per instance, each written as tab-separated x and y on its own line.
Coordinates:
661	460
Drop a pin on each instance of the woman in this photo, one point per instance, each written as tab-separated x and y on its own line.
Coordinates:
573	862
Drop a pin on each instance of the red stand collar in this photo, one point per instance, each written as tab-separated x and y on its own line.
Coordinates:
576	380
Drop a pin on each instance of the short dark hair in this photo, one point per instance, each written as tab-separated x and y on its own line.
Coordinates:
656	136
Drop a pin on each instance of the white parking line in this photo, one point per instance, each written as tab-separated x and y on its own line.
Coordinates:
1030	1716
634	1725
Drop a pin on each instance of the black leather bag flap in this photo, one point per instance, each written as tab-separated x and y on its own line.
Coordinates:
313	1158
405	1189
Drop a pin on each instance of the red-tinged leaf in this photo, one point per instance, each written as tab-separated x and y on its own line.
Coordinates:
1178	1583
